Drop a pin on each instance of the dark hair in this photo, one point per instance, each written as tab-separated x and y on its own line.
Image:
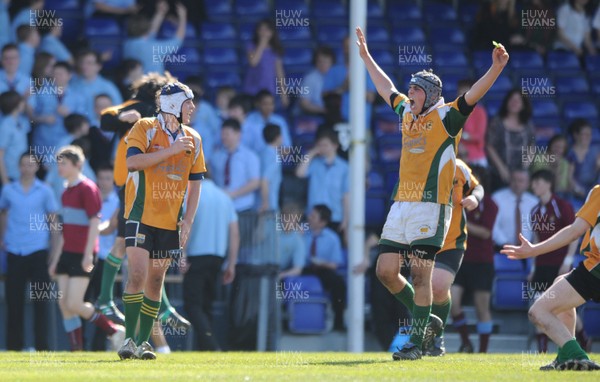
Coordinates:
482	175
104	167
232	124
524	114
328	134
275	43
242	101
74	121
9	101
262	94
577	125
65	65
555	138
324	212
138	25
146	88
323	50
87	52
10	46
271	132
102	95
72	153
197	82
24	32
546	175
28	154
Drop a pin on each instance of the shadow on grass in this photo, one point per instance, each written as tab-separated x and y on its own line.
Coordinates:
348	363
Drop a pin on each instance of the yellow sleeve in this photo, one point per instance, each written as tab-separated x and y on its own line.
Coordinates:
590	210
137	137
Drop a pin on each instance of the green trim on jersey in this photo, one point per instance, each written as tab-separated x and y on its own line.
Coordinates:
460	240
454	121
137	210
394	244
432	177
400	107
436	240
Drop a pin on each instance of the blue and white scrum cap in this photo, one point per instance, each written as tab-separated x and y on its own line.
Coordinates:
172	96
431	85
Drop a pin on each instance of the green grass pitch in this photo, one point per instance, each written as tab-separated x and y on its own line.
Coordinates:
280	366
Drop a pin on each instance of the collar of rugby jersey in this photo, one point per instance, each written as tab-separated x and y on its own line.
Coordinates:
439	103
163	123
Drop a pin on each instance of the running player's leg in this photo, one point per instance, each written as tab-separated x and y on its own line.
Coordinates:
441	282
458	316
71	321
110	270
389	265
168	315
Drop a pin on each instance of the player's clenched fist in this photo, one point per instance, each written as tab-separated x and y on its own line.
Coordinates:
183	143
499	56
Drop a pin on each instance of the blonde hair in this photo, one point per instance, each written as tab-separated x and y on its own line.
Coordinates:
72	153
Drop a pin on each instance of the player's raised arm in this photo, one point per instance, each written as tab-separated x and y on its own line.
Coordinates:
479	88
382	82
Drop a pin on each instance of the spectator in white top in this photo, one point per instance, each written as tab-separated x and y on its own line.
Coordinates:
574	31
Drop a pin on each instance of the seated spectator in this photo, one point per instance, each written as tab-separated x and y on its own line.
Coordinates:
515	204
312	101
540	39
11	78
270	169
497	21
222	98
292	251
236	168
508	133
473	132
29	40
257	120
327	175
77	127
54	101
13	140
205	119
583	157
574	31
52	44
29	11
555	160
264	57
337	84
142	44
130	70
324	257
89	83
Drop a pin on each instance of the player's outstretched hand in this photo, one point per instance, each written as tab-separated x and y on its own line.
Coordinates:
362	43
523	251
500	56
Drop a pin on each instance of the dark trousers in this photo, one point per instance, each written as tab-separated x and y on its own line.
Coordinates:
91	295
33	267
334	284
199	292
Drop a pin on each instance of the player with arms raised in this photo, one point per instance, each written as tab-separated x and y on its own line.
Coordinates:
419	219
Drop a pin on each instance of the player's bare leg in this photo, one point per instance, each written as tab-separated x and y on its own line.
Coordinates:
484	318
158	339
441	283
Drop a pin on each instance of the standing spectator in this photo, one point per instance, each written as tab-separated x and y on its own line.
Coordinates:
211	238
477	270
256	121
29	40
50	105
270	168
112	8
337	84
28	228
238	109
574	30
555	160
101	141
222	99
89	83
74	261
496	20
13	140
5	31
507	135
266	67
29	12
11	78
515	204
42	68
540	39
324	257
312	101
473	133
52	44
327	178
584	159
142	44
548	217
292	250
236	168
129	72
205	120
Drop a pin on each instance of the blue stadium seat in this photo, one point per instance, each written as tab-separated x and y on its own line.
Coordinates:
305	141
218	32
378	33
526	60
492	106
308	313
591	319
561	60
572	85
446	38
62	5
332	34
408	35
225	78
595	84
450	59
297	56
587	110
169	30
220	56
374	10
400	12
503	84
481	59
329	9
386	121
592	64
252	9
306	124
293	5
544	108
105	28
220	11
391	177
376	208
246	31
295	34
383	57
72	28
510	292
389	148
439	12
375	180
192	65
543	134
467	13
503	265
102	46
